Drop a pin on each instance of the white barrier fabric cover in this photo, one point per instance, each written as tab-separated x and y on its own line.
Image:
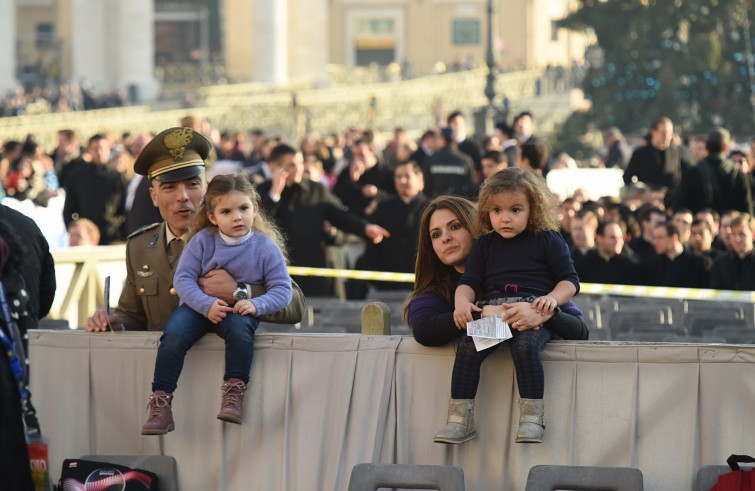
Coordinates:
319	404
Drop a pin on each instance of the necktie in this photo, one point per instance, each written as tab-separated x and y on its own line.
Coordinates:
175	248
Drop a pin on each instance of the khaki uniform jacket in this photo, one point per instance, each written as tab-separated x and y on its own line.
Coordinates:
148	298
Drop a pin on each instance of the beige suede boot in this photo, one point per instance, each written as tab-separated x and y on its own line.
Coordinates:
232	404
160	420
531	421
460	426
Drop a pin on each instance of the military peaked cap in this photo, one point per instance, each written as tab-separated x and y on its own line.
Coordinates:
173	155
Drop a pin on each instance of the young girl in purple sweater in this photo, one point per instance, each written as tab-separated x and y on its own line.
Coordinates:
232	234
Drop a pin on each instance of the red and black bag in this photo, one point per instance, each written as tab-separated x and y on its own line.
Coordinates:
737	479
87	475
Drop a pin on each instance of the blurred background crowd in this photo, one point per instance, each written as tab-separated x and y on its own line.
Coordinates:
668	225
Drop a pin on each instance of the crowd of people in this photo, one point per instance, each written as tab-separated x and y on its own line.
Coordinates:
58	99
340	187
446	207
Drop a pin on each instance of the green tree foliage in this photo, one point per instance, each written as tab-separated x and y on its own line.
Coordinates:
685	59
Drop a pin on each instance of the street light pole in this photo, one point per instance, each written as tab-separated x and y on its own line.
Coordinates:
490	59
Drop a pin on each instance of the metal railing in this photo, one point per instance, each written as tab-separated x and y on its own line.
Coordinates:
79	273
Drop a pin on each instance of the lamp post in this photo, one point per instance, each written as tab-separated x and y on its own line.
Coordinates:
490	59
485	116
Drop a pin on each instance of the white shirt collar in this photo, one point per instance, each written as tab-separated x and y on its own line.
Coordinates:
234	240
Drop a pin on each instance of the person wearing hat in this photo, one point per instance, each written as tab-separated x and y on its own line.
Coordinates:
174	163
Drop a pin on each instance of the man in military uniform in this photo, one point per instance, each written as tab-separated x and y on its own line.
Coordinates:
174	162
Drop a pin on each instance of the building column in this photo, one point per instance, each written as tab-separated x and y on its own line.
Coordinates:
7	46
271	43
89	43
113	46
134	58
311	20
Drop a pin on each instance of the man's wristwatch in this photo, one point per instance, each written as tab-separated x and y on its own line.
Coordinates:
240	293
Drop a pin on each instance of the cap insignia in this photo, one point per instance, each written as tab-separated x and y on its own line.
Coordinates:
176	142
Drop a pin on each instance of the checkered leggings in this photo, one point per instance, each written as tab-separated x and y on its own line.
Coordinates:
525	352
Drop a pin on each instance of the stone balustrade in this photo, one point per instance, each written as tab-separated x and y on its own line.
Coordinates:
295	108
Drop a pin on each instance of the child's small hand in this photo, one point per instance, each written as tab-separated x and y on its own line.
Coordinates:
218	311
245	307
544	305
463	314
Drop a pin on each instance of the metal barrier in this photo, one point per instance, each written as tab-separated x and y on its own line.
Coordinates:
82	294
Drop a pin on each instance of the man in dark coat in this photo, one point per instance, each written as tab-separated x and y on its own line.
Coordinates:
425	147
735	269
701	240
716	182
97	192
464	144
674	265
300	208
659	163
364	181
611	262
401	216
449	171
642	245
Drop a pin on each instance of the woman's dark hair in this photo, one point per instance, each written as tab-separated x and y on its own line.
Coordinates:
430	274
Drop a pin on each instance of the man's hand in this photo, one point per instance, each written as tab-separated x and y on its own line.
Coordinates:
356	169
278	181
98	322
370	209
376	233
218	311
219	284
369	190
329	229
245	307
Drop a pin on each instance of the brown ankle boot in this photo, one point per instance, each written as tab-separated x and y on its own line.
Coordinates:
160	419
232	405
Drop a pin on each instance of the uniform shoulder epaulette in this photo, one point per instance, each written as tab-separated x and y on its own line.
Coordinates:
144	229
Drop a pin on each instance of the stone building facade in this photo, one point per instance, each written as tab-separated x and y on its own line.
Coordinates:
116	44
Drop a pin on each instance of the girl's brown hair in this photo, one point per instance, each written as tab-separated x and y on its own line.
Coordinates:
430	274
224	184
543	205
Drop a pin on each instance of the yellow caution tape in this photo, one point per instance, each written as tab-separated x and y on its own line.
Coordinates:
668	292
585	288
351	274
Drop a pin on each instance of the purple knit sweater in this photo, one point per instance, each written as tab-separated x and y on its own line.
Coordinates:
256	260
